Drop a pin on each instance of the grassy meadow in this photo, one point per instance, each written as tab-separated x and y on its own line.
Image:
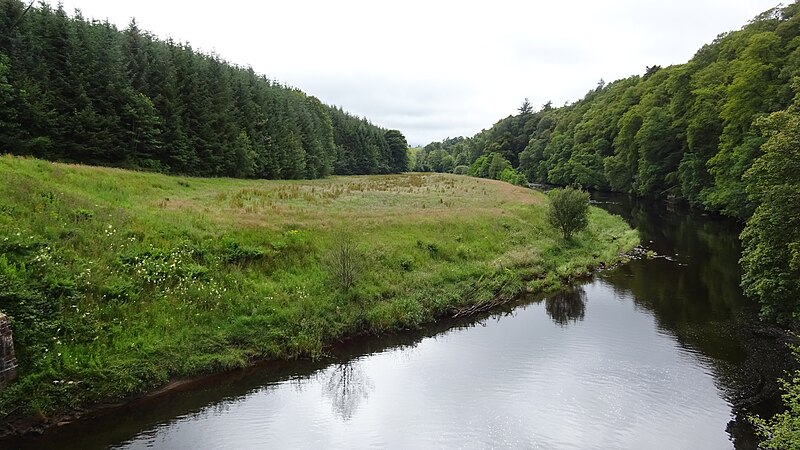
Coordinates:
118	281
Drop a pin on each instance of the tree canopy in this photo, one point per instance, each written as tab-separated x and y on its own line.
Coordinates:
719	132
771	239
76	90
684	132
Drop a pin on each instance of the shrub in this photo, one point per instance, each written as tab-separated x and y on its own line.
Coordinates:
236	253
569	210
122	290
81	214
510	175
345	260
461	170
782	431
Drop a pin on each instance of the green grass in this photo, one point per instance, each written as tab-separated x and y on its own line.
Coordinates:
119	281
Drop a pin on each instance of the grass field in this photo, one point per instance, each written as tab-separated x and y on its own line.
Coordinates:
119	281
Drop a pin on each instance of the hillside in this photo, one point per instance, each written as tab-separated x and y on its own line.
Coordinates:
119	281
685	132
82	91
717	132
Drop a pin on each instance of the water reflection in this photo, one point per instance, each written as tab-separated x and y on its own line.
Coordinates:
695	296
567	306
347	386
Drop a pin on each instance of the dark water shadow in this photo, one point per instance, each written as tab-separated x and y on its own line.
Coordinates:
567	306
692	288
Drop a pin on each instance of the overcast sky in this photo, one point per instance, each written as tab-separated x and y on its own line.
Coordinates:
436	69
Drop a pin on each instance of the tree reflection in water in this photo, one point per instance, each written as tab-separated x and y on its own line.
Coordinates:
567	306
347	386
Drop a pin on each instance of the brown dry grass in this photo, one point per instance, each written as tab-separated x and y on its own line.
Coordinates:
389	199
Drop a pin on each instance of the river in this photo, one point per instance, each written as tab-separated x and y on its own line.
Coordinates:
662	352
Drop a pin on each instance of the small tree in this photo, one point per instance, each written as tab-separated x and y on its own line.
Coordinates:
569	210
344	260
526	107
497	164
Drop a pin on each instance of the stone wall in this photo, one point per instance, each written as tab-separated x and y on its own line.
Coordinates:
8	362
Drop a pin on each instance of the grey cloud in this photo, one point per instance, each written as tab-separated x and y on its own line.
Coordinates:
424	110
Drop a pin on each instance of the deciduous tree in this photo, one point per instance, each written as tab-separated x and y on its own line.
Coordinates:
569	210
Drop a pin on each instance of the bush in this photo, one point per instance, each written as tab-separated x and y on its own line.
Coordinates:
236	253
345	260
461	170
783	430
510	175
569	210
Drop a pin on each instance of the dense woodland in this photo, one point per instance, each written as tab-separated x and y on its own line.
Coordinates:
80	90
718	132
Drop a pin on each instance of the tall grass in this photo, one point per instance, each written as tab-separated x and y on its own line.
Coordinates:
118	281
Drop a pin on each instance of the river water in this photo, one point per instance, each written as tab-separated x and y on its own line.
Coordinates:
659	353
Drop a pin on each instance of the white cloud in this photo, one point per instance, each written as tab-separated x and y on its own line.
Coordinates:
439	68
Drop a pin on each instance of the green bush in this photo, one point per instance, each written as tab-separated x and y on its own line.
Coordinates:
510	175
782	431
120	289
234	252
82	214
461	170
569	210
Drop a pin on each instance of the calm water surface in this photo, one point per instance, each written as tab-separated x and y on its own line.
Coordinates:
661	353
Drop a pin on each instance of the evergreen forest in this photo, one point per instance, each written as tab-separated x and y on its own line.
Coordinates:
82	91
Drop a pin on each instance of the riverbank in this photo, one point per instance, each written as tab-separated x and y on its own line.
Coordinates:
118	282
